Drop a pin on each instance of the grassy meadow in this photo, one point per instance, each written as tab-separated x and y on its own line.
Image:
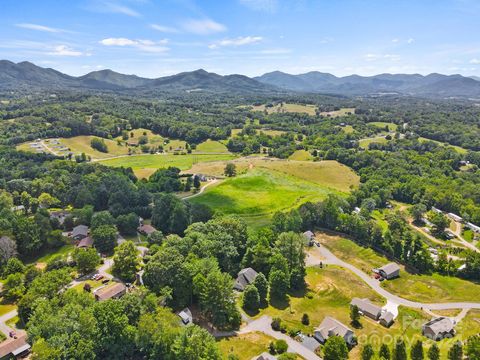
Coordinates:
383	125
301	155
245	346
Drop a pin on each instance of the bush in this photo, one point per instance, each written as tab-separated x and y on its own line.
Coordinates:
305	319
287	356
99	144
276	324
281	346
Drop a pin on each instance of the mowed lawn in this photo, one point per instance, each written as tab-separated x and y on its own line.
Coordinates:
81	144
383	125
363	143
245	346
422	288
146	165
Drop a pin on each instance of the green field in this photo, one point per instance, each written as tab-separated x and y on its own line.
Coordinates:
301	155
245	346
337	113
363	143
287	108
458	149
259	191
211	146
348	129
146	165
423	288
383	125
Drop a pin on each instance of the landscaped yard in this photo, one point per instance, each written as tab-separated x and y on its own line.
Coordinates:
423	288
245	346
146	165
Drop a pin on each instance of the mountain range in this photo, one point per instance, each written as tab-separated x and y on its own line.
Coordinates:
25	75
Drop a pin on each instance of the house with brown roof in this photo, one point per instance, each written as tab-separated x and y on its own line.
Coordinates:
332	327
15	347
146	229
113	291
86	242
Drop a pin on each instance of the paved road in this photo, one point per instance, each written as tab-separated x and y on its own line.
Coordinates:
262	324
330	258
3	319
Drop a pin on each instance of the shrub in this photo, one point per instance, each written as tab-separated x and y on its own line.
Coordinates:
276	324
305	319
281	346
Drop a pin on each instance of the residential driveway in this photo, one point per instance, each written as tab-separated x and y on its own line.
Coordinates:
262	324
3	319
330	258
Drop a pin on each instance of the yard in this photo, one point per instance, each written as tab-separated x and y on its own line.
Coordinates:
287	107
384	125
245	346
301	155
364	143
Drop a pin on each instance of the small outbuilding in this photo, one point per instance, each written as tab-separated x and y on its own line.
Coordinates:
245	277
146	229
389	271
386	319
86	242
439	328
186	317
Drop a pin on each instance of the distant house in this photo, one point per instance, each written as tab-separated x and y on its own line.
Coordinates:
202	177
59	215
79	232
186	317
86	242
386	319
389	271
16	347
455	217
439	328
245	277
438	211
146	229
332	327
356	210
473	227
132	143
114	291
310	236
367	308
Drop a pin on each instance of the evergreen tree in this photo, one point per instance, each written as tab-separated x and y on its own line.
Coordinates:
399	350
456	351
367	352
434	352
384	352
416	352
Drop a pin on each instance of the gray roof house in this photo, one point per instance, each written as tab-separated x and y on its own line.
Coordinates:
367	308
439	328
389	271
245	277
332	327
309	235
310	343
79	232
386	319
186	317
264	356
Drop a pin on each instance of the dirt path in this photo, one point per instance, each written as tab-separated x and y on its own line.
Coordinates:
202	189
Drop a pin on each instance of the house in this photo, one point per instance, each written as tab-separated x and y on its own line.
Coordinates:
332	327
79	232
449	234
132	143
367	308
15	347
202	177
310	343
186	317
86	242
438	211
389	271
59	215
113	291
439	328
473	227
386	319
146	229
310	236
245	277
455	217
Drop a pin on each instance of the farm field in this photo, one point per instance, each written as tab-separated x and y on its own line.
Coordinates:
348	129
337	113
245	346
423	288
383	125
264	187
301	155
287	107
329	173
211	146
145	165
363	143
458	149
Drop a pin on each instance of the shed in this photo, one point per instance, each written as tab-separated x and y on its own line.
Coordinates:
386	319
389	271
186	317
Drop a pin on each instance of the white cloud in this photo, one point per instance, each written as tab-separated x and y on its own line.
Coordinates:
203	27
410	41
240	41
64	50
395	40
39	28
475	61
165	29
261	5
144	45
104	6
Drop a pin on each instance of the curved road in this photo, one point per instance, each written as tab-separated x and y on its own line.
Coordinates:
330	258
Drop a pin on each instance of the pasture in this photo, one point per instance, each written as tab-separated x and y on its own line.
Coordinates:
458	149
146	164
363	143
301	155
287	108
338	113
211	146
384	125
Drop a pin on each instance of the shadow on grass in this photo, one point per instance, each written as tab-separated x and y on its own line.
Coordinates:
250	312
280	304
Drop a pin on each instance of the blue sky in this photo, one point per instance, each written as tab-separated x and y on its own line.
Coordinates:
155	38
